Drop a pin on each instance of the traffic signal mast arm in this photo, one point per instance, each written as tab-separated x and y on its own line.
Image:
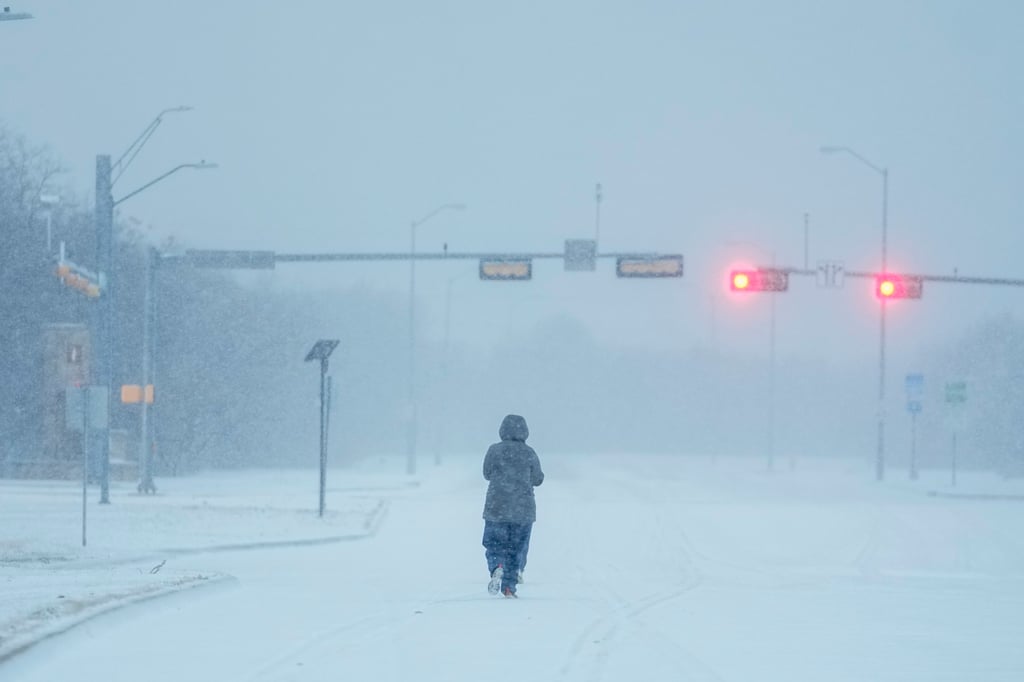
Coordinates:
660	264
953	279
896	279
445	255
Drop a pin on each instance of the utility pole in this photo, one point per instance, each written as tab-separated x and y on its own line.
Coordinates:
103	353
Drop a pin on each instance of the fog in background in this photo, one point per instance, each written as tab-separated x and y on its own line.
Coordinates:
335	126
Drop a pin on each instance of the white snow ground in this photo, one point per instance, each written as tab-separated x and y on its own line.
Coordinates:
641	568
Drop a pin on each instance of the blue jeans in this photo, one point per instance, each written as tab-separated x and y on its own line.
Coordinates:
505	544
524	550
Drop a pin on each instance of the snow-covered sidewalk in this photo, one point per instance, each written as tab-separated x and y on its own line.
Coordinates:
142	546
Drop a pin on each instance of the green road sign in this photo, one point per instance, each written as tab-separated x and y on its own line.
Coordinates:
956	392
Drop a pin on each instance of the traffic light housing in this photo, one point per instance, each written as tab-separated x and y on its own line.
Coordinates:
898	286
759	279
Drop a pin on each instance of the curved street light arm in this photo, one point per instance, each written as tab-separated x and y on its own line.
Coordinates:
442	207
140	141
200	166
835	150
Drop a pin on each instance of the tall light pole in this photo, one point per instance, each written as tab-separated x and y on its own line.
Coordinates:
105	203
884	173
412	427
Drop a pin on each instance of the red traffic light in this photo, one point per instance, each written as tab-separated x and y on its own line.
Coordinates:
898	286
761	279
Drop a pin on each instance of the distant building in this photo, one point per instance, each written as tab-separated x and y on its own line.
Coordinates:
66	362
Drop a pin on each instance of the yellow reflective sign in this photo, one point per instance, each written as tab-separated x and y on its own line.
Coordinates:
133	393
506	269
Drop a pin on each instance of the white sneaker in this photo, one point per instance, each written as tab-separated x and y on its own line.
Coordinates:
495	584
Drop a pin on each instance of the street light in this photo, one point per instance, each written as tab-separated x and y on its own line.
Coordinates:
202	165
411	445
105	203
884	172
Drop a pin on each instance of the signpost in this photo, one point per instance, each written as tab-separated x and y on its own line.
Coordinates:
85	410
915	391
956	397
322	350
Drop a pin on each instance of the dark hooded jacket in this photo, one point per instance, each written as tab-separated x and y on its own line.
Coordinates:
513	469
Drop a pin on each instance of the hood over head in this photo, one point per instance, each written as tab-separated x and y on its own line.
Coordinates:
513	427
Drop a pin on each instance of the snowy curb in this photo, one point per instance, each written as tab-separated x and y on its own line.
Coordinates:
976	496
57	618
370	528
54	620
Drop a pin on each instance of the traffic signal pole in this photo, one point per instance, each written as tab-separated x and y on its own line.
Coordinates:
880	455
887	286
146	484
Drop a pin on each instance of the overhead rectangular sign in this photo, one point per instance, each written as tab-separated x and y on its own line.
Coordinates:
235	260
506	269
649	266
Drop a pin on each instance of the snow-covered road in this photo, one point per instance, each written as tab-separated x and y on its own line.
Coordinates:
641	568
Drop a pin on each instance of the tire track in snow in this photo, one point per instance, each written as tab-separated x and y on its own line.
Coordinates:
587	662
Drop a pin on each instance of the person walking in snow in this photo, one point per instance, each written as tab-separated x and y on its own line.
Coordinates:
512	470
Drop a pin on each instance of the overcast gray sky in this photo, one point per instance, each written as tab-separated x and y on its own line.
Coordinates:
336	124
